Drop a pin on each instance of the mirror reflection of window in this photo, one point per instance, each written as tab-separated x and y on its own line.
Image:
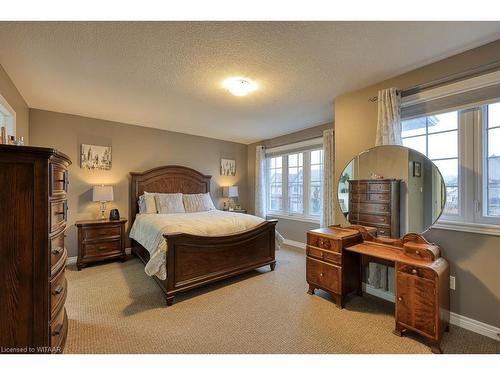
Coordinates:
347	175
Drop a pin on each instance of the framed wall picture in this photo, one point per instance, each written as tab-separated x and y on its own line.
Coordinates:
227	167
95	157
417	169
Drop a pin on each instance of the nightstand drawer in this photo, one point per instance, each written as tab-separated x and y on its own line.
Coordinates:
100	233
327	256
102	248
323	242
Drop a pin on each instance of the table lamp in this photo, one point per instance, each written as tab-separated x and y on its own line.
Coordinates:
102	194
230	192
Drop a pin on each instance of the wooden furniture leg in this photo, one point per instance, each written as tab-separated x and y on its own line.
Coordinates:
311	289
398	331
273	266
170	301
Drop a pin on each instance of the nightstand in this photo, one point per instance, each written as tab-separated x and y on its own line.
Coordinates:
100	240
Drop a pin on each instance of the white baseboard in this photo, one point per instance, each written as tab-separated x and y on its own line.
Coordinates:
71	261
298	244
475	326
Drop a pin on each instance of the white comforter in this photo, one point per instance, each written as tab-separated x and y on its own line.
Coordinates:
148	230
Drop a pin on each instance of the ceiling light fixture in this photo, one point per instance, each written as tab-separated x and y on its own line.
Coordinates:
239	86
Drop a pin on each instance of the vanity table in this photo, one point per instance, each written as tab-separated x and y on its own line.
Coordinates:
334	263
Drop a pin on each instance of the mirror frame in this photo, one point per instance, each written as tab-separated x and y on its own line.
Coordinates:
406	148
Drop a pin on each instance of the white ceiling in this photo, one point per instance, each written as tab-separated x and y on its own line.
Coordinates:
168	75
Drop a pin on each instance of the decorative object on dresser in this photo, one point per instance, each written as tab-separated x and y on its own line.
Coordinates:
375	203
335	258
100	240
193	260
230	192
33	187
102	194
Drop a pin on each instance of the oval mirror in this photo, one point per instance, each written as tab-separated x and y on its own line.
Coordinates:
394	189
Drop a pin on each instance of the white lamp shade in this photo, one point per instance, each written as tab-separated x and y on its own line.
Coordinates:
230	191
102	193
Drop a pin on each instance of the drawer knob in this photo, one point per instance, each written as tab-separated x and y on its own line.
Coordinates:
57	331
417	252
322	274
102	248
58	290
57	251
414	271
400	298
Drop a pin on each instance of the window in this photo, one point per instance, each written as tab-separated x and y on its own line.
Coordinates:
7	117
294	182
465	146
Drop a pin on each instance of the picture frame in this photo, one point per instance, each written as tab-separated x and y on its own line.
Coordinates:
417	169
227	167
94	157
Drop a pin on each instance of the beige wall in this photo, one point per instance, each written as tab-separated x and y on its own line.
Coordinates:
474	259
134	148
290	229
9	91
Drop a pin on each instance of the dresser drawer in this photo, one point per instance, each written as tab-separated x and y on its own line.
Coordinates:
358	187
327	256
90	234
415	271
323	242
378	220
379	187
59	180
370	208
323	275
59	330
58	292
370	197
58	214
58	254
102	248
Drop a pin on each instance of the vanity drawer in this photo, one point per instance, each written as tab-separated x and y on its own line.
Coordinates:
58	214
98	233
323	275
415	271
102	248
327	256
323	242
58	292
58	330
59	180
58	254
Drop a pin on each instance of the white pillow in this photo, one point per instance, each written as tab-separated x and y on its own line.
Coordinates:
169	203
150	203
198	202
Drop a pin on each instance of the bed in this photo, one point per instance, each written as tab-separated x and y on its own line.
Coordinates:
196	260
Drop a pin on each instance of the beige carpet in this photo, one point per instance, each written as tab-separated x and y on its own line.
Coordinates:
116	308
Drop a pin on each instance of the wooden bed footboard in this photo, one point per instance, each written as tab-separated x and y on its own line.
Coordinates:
193	261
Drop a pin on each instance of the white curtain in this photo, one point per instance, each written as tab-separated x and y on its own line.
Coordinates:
389	118
260	182
328	210
388	133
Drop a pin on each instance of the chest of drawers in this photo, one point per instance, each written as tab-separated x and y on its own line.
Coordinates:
33	187
375	203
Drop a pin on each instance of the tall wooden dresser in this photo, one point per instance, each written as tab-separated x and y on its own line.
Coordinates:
33	206
375	203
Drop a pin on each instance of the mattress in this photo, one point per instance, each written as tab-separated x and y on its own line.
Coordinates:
148	230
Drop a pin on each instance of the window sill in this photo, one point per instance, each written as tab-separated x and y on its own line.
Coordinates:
492	230
294	218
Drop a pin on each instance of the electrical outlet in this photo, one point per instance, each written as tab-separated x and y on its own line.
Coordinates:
452	282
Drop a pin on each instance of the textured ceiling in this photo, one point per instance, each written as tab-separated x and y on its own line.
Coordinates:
168	75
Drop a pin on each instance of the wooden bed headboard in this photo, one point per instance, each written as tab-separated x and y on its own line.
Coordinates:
166	179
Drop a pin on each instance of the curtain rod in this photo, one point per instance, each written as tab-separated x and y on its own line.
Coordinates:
469	73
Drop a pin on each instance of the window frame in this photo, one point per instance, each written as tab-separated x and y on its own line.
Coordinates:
285	213
472	176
